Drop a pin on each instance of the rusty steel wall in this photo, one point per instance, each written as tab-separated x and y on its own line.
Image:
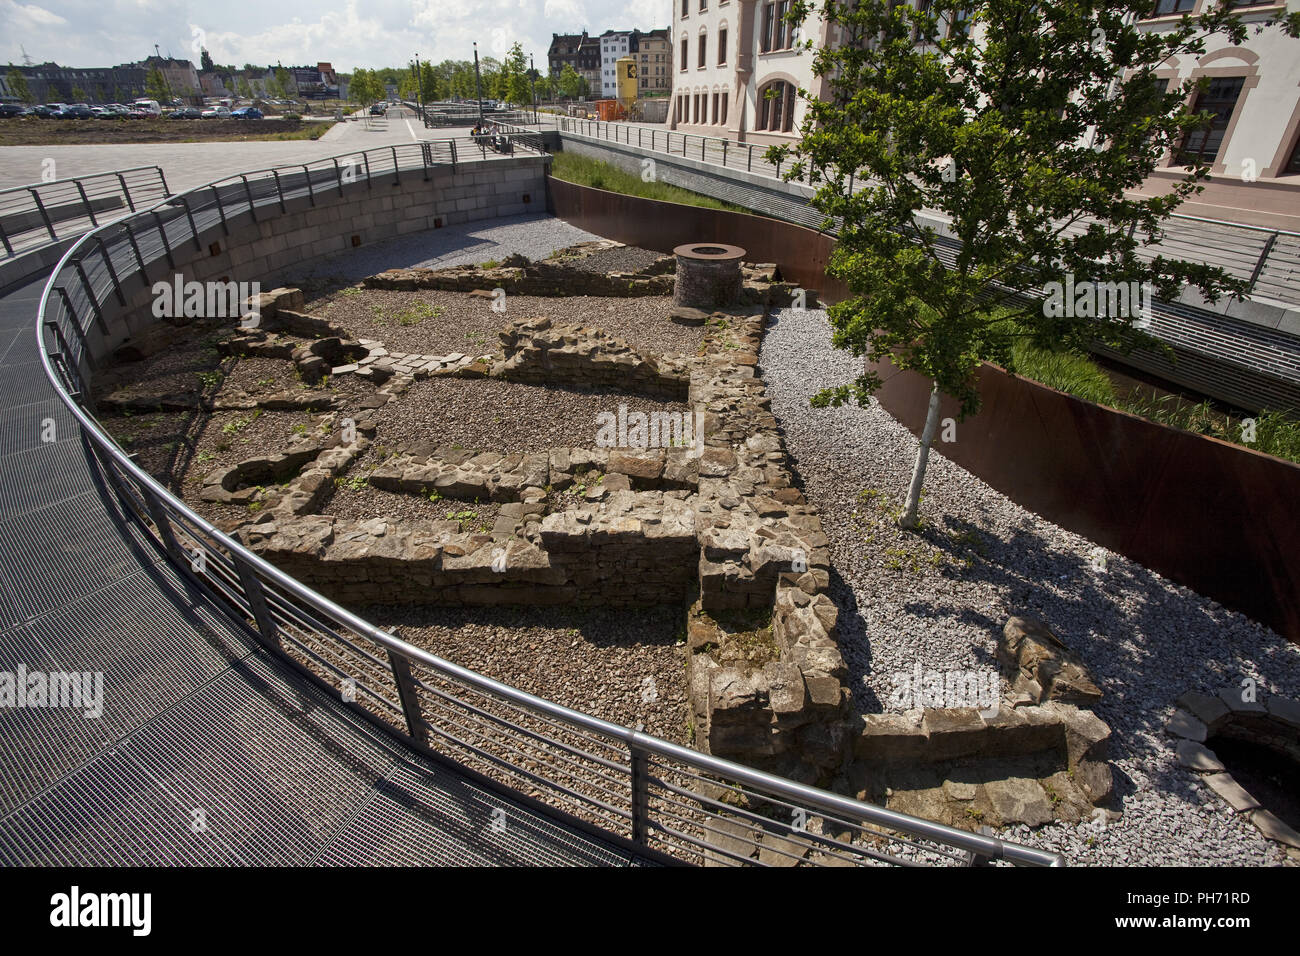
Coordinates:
801	253
1213	516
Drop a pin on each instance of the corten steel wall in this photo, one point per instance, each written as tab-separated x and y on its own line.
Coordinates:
801	253
1215	517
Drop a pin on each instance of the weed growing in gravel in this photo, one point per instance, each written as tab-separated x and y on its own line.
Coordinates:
352	290
204	457
355	482
417	313
490	264
211	379
235	426
266	382
300	429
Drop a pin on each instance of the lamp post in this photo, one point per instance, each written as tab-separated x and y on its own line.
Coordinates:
418	106
478	87
532	75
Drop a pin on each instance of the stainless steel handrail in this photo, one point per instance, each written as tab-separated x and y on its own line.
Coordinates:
257	589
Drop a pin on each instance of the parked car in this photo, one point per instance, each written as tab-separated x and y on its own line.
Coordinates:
76	111
12	109
150	107
45	111
188	112
217	112
378	109
246	112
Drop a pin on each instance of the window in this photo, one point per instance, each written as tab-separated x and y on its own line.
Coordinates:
959	23
704	5
775	107
715	108
704	48
1292	168
686	9
683	53
722	47
1167	8
777	34
1219	99
724	116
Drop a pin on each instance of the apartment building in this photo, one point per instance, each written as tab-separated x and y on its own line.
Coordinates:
613	45
654	55
580	51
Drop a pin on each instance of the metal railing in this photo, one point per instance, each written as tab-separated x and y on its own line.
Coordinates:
1267	258
34	215
664	799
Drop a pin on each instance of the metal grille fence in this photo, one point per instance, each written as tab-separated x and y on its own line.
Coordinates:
1269	259
40	213
663	798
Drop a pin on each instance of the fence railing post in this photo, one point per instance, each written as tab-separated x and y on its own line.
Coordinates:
640	790
194	230
126	192
396	178
407	696
311	193
749	164
40	207
85	201
261	611
1259	263
4	238
108	263
221	210
90	294
162	233
135	247
248	193
279	189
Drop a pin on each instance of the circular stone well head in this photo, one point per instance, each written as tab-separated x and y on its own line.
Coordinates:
708	275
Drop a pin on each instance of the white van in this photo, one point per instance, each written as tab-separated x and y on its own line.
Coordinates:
149	106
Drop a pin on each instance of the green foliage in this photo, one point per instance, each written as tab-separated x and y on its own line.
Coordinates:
991	127
155	86
573	168
17	81
417	313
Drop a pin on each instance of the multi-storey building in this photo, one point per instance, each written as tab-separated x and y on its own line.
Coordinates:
613	45
51	83
578	51
179	75
654	60
738	66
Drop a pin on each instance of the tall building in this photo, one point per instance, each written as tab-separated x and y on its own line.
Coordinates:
654	59
180	76
578	51
613	45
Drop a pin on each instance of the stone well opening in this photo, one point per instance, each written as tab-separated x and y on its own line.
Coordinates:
708	275
1263	756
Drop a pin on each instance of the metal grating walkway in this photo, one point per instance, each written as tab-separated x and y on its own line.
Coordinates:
210	749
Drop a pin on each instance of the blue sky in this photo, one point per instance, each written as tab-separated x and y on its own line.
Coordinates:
347	33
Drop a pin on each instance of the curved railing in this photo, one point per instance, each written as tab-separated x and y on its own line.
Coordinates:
666	800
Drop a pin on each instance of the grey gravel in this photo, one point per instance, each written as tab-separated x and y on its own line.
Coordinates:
1146	639
535	236
618	259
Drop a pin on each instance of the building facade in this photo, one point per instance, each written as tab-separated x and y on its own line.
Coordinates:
579	51
51	83
613	44
737	68
654	58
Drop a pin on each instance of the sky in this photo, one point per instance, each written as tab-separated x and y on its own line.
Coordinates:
346	33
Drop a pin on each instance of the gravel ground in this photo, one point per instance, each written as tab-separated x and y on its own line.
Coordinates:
467	244
434	322
941	599
623	665
492	415
622	259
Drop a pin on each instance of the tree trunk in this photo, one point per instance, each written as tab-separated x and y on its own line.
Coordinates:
910	517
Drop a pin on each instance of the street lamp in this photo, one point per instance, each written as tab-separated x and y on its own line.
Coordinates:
478	87
416	68
532	75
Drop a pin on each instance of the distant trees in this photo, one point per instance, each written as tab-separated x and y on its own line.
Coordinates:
18	84
570	82
205	61
155	87
513	83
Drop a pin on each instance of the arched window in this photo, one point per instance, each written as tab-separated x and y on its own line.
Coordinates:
722	43
725	96
684	39
704	48
775	112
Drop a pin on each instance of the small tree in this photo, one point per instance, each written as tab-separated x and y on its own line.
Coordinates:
570	82
17	83
516	87
205	61
429	83
1022	121
155	86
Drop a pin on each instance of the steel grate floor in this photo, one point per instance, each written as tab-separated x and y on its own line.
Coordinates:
210	750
